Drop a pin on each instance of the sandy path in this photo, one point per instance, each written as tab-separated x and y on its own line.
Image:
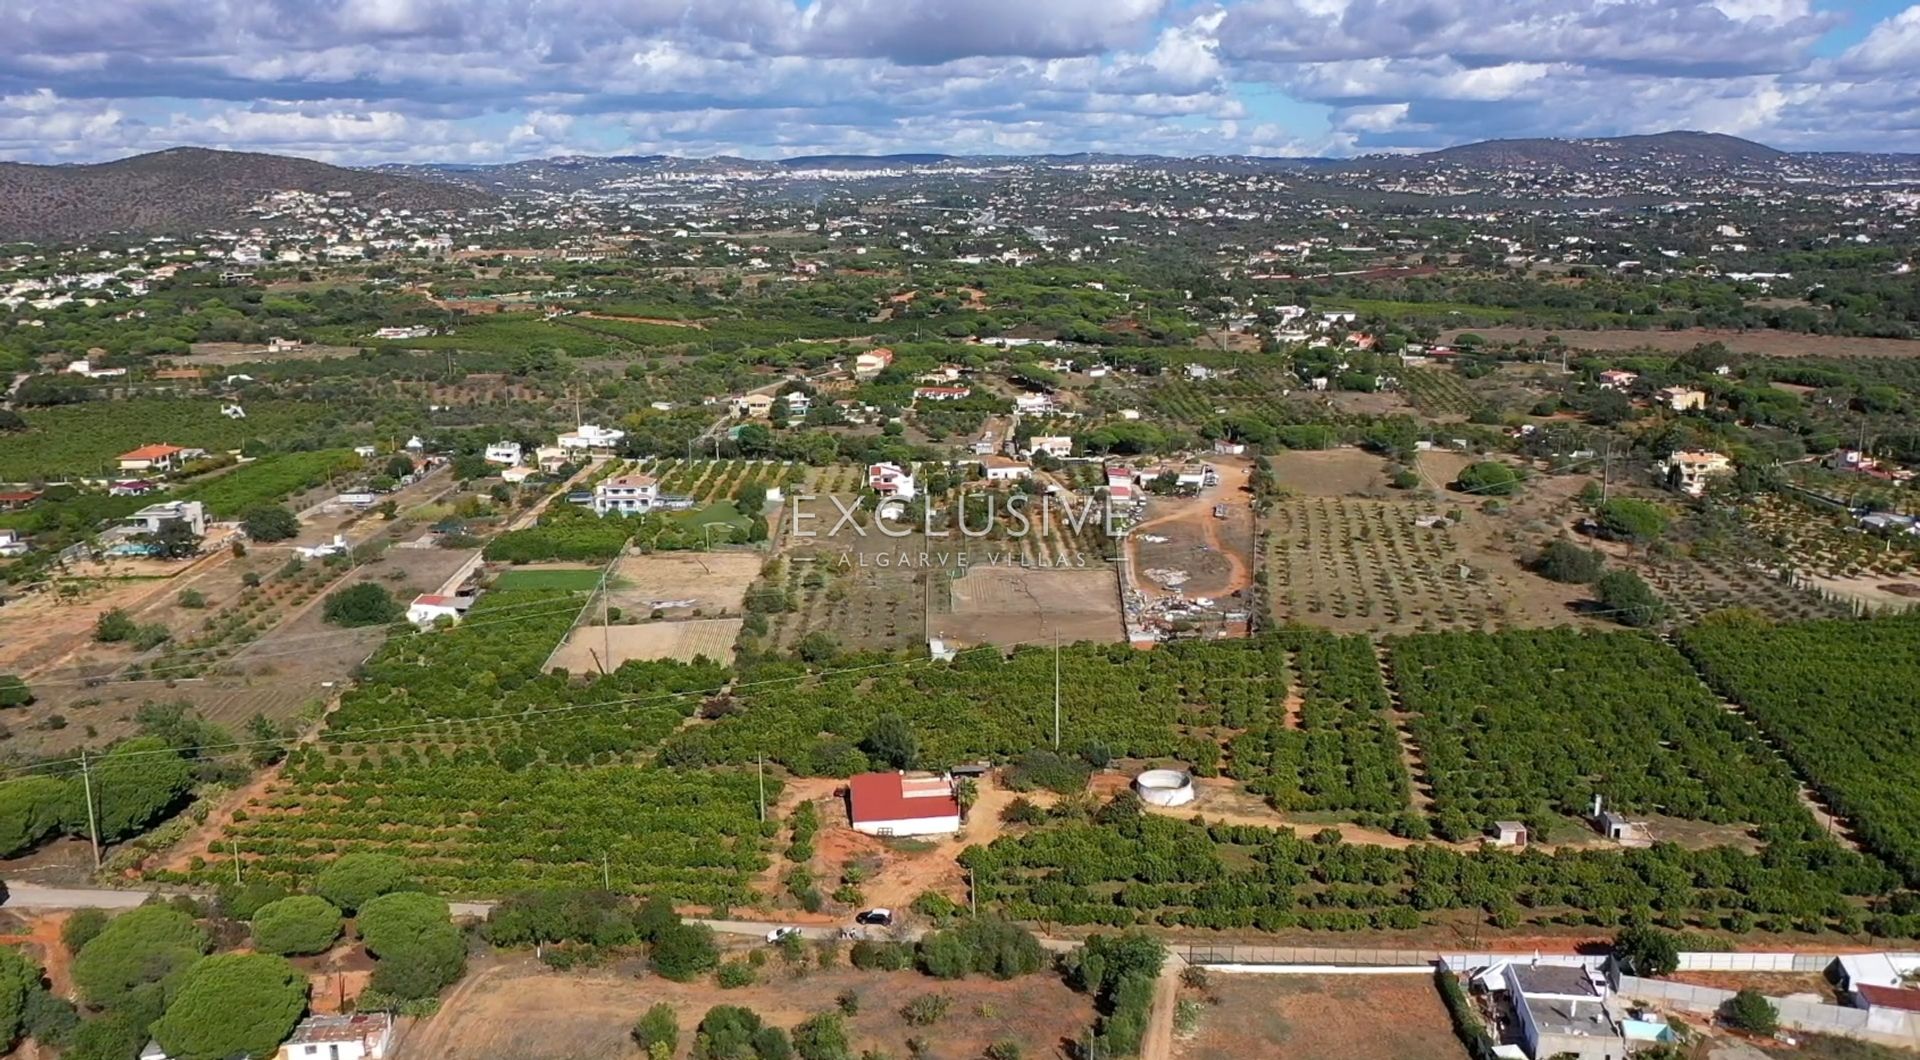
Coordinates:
1158	1043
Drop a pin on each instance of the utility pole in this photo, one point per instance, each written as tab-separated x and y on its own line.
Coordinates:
1606	472
762	771
93	823
606	873
234	845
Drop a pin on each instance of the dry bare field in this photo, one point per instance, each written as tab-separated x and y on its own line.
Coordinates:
1330	472
225	354
1766	343
522	1011
1010	605
685	583
1334	1017
587	646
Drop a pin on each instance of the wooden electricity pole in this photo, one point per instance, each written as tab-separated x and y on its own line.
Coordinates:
93	823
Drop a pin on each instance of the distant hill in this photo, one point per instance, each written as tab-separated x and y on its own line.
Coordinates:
188	189
1671	152
1668	148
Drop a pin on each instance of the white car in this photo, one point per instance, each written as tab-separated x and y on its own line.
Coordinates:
781	932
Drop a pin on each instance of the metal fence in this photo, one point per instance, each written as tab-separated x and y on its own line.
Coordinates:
1214	953
1755	962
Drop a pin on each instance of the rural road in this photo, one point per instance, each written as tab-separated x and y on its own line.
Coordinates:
23	895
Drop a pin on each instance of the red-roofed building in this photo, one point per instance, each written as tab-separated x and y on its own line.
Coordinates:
158	458
355	1036
17	499
872	363
892	804
1870	997
428	608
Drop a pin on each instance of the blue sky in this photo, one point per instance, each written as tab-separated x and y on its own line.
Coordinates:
362	81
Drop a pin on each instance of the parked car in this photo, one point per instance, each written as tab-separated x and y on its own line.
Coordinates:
876	917
781	932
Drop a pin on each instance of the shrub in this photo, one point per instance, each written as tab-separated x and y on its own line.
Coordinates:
19	979
1488	477
270	522
880	956
1628	519
683	951
419	949
1631	600
734	975
362	604
1750	1011
1564	561
729	1032
891	742
997	948
137	950
242	902
14	692
233	1004
296	926
353	880
659	1025
596	918
926	1010
822	1037
1649	951
114	626
81	928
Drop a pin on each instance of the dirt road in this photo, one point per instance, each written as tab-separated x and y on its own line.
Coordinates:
1158	1043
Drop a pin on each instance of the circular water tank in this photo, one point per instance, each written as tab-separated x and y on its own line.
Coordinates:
1164	787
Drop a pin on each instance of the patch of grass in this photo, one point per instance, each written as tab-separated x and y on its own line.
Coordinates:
565	580
719	514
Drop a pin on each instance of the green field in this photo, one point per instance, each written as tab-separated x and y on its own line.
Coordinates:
84	439
720	514
566	580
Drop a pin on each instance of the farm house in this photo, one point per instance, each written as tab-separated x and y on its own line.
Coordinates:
898	804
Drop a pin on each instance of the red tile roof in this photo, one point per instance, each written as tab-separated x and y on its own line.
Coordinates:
151	452
884	797
1890	997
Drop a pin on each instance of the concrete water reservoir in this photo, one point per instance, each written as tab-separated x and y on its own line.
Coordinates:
1164	787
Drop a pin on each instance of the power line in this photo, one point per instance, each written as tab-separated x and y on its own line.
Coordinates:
159	666
356	735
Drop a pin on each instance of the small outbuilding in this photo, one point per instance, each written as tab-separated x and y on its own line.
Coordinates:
1509	834
428	608
902	804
